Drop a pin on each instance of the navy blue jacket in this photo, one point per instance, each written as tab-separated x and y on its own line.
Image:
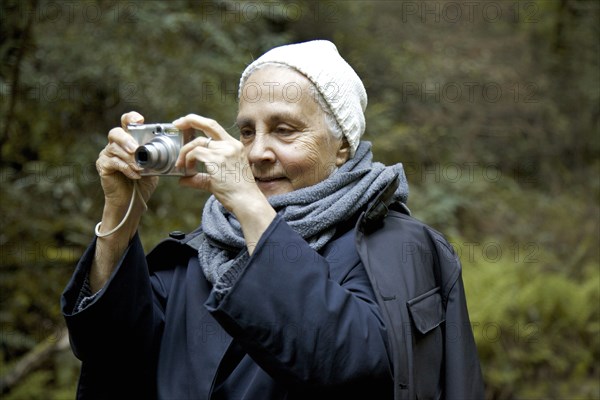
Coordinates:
297	324
416	276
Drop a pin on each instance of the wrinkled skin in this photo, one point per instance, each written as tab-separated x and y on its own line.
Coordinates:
284	133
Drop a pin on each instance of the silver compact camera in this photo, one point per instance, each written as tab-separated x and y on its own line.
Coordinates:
159	148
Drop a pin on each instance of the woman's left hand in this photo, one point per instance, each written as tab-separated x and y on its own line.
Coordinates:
228	175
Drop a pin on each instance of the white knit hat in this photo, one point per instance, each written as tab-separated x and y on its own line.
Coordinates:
333	77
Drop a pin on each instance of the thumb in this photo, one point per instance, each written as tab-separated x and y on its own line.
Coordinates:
199	181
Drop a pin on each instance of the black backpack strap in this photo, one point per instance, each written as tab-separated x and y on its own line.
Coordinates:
373	217
378	208
194	240
437	272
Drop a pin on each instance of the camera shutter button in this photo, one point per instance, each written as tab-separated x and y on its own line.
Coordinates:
177	235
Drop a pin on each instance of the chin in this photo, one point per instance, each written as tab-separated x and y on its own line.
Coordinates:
274	188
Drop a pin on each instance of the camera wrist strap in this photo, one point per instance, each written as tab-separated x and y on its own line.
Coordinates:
136	190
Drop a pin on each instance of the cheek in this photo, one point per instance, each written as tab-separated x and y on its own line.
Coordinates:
312	159
310	152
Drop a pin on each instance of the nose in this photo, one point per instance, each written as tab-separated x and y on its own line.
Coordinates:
261	151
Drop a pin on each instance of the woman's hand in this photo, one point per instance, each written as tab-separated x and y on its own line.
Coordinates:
228	175
117	167
118	170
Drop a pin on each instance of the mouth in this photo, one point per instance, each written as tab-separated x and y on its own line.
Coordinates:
265	179
273	184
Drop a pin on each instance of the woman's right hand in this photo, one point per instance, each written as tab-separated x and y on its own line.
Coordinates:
118	170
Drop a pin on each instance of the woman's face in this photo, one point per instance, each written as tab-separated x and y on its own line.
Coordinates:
284	132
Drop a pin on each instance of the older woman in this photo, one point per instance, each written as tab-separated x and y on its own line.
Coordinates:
268	299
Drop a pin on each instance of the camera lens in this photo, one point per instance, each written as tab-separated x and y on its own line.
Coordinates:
152	155
158	155
141	155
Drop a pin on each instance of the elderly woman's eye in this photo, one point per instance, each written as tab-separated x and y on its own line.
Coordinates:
246	133
284	130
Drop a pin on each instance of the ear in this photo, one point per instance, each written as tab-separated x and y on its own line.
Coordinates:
343	153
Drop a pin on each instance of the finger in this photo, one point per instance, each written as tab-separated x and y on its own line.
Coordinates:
115	150
198	143
123	139
130	118
107	165
199	181
209	126
201	141
193	157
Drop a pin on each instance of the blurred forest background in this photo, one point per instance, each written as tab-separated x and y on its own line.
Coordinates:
492	106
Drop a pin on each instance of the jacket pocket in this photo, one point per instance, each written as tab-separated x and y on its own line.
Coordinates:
427	315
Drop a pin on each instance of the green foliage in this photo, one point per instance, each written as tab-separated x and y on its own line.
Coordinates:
537	331
495	117
56	381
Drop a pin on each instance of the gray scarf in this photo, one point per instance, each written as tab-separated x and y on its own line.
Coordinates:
313	212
